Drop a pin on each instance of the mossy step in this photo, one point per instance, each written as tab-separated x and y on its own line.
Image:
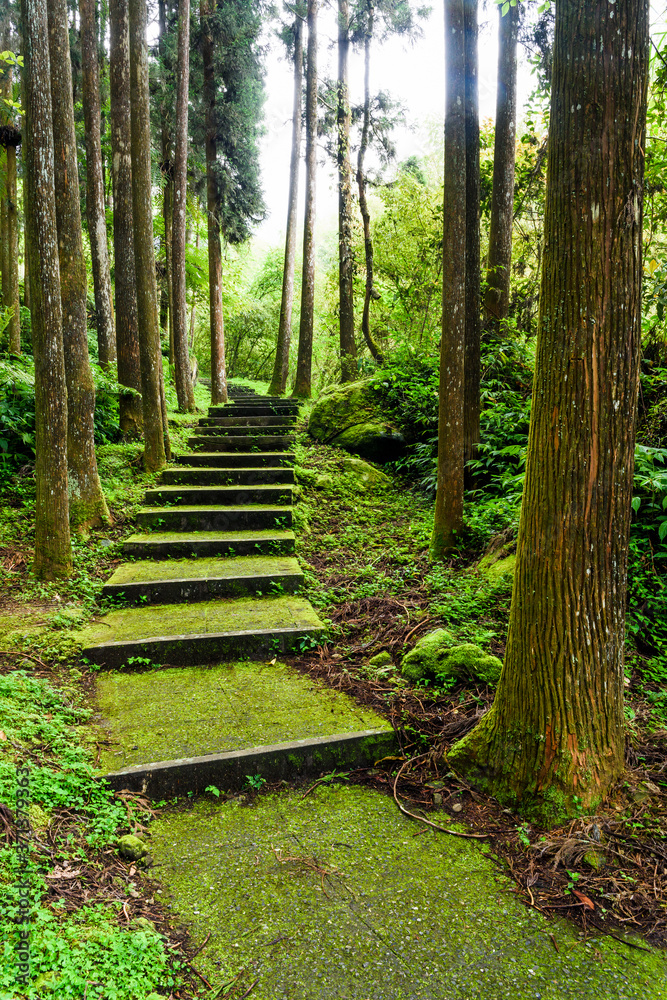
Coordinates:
201	633
253	410
249	421
203	544
160	715
215	518
237	430
234	460
226	477
172	582
241	443
281	762
189	496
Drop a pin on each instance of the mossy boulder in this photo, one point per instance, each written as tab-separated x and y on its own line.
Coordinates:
439	655
131	848
382	659
349	416
363	474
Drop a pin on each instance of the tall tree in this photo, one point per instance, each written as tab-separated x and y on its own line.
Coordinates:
281	366
10	138
95	209
302	384
218	367
87	505
471	405
348	347
155	438
127	332
496	299
449	495
554	738
53	550
183	375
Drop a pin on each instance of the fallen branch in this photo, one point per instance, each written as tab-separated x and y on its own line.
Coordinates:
422	819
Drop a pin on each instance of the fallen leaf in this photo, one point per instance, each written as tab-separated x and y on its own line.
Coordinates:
588	903
60	873
2	735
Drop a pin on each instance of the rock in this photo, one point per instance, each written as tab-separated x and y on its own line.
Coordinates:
39	820
496	567
594	859
437	798
106	543
457	807
323	482
130	847
437	654
350	417
143	924
382	659
365	475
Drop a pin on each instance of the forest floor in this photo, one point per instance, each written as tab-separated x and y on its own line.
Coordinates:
365	551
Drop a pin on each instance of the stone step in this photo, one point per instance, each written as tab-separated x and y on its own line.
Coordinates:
225	477
215	518
237	431
234	460
244	442
253	410
205	544
190	496
249	421
203	579
207	632
290	761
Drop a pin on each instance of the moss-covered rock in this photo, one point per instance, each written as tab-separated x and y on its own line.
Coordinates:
349	417
131	848
438	655
363	474
382	659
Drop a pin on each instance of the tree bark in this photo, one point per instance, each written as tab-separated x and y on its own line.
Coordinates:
302	384
127	333
348	347
168	216
218	367
496	298
53	549
13	291
473	324
372	344
554	738
449	495
97	225
183	375
87	505
144	252
281	365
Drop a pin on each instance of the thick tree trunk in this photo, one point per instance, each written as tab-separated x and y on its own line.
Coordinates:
218	367
471	404
373	346
167	315
449	496
554	738
302	384
87	505
183	375
127	333
97	225
13	293
281	365
53	550
496	299
144	252
5	92
348	347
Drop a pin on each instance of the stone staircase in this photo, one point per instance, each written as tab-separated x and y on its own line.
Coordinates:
211	578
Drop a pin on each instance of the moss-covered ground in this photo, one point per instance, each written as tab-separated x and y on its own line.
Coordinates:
187	712
203	569
336	895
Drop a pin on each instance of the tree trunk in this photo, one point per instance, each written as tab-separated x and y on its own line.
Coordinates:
449	496
554	741
144	252
97	225
473	318
167	315
87	505
218	367
348	347
5	92
183	375
13	248
302	384
53	549
372	344
281	366
127	334
496	299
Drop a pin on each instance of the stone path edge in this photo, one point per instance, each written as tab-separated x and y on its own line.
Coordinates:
281	761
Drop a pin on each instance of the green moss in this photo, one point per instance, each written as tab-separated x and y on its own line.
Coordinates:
437	655
188	712
333	897
348	416
425	659
494	568
203	569
364	475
